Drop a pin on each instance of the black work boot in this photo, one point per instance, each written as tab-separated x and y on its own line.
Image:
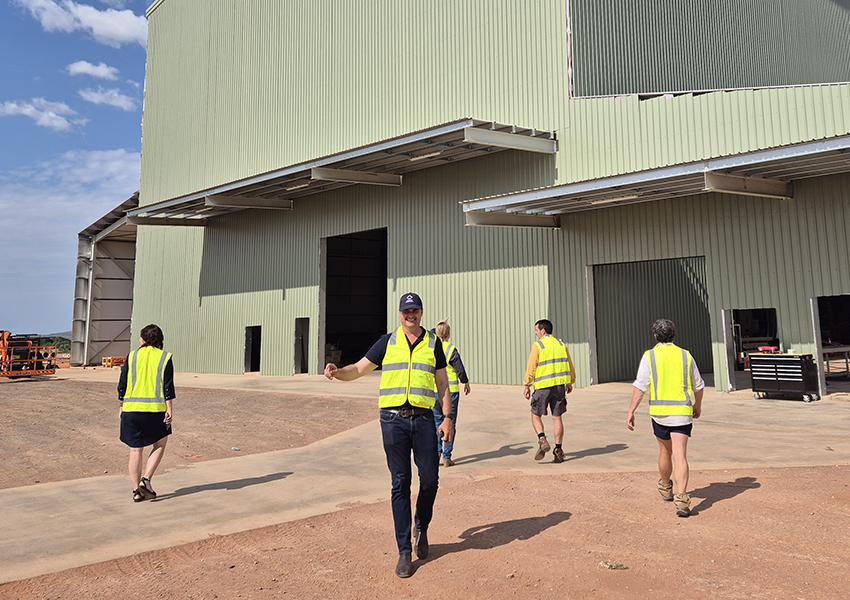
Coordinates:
420	544
404	568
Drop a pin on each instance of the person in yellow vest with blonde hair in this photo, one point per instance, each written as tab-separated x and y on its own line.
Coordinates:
413	369
670	376
551	373
145	392
456	373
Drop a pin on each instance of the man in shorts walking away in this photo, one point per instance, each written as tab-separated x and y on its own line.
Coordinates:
675	388
550	371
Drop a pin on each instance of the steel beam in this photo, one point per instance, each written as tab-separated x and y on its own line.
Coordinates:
245	202
501	219
349	176
747	186
167	221
513	141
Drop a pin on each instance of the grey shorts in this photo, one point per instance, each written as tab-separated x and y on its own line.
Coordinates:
554	398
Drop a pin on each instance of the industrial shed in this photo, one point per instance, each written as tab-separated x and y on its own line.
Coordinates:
103	291
305	163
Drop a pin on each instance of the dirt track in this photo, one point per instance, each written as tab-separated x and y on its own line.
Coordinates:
757	533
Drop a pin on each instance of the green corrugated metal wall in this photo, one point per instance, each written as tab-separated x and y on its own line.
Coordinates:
651	47
262	267
236	88
628	297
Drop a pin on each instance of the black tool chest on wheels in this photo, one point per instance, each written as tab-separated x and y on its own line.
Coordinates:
784	374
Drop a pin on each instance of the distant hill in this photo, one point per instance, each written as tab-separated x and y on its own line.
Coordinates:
64	334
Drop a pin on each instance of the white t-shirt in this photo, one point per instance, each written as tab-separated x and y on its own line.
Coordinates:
642	383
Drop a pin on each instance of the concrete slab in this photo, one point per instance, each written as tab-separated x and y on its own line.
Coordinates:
55	526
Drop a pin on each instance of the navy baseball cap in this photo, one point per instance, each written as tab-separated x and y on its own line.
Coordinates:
410	300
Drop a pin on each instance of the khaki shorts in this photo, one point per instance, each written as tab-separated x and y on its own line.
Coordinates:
554	398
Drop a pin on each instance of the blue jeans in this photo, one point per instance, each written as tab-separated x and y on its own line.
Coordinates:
444	449
401	435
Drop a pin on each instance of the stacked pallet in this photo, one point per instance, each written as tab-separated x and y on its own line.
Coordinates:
112	361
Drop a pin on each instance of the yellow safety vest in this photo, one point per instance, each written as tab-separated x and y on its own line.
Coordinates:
408	376
670	388
454	383
145	375
553	365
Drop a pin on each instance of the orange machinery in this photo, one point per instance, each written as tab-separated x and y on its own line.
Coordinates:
22	356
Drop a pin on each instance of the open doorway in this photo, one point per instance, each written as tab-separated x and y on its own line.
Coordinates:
355	294
252	349
302	335
833	313
749	330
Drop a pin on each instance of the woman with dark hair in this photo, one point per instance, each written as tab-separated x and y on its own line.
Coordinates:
145	392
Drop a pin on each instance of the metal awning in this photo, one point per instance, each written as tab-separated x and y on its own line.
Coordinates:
382	163
765	173
114	225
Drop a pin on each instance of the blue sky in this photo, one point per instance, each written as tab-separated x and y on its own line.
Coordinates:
71	84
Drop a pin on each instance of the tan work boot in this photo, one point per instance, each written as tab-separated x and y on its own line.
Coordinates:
666	490
543	449
558	455
683	505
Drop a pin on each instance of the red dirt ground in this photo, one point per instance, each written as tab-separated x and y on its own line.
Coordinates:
757	533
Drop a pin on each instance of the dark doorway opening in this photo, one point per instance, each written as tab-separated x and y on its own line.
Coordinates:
302	336
834	316
356	294
252	349
753	328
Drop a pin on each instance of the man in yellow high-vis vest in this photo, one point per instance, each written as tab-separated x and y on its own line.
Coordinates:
413	370
551	373
670	375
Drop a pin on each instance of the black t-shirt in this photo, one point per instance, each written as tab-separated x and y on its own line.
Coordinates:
376	353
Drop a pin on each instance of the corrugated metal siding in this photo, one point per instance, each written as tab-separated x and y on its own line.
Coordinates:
262	267
236	88
630	296
622	135
646	47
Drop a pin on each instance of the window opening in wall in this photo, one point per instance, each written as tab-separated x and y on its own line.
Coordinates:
302	336
252	349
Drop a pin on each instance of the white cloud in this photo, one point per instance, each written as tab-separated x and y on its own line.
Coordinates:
111	27
55	115
110	96
42	209
101	71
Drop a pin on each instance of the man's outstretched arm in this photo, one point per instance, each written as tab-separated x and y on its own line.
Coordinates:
350	372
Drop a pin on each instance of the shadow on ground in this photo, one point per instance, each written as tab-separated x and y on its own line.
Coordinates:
235	484
715	492
492	535
506	450
594	451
